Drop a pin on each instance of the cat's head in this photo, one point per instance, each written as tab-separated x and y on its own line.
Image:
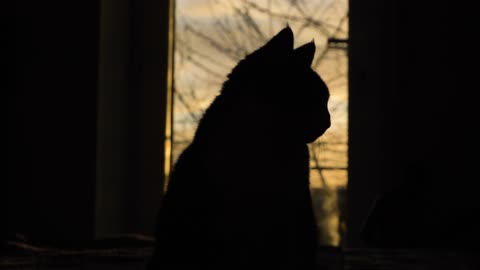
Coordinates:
279	79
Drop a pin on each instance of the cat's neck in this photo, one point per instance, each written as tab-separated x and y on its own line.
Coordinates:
229	118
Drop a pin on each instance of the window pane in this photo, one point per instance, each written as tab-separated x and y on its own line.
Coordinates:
212	36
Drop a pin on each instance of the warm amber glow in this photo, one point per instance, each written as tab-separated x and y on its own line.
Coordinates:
168	122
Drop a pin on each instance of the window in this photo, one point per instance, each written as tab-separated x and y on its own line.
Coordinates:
212	36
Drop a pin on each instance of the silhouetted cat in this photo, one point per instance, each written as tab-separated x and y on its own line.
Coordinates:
239	194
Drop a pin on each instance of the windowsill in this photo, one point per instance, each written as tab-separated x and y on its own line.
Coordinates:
126	250
133	252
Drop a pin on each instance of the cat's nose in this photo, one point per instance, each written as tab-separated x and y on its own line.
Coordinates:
323	123
327	121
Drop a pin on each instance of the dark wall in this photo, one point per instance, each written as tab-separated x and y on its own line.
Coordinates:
413	138
132	117
52	118
86	117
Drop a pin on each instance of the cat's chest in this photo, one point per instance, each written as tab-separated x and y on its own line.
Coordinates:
267	164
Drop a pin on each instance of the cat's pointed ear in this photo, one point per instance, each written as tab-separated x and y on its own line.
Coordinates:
304	54
283	41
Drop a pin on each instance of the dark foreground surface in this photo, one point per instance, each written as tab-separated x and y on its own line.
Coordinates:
132	252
